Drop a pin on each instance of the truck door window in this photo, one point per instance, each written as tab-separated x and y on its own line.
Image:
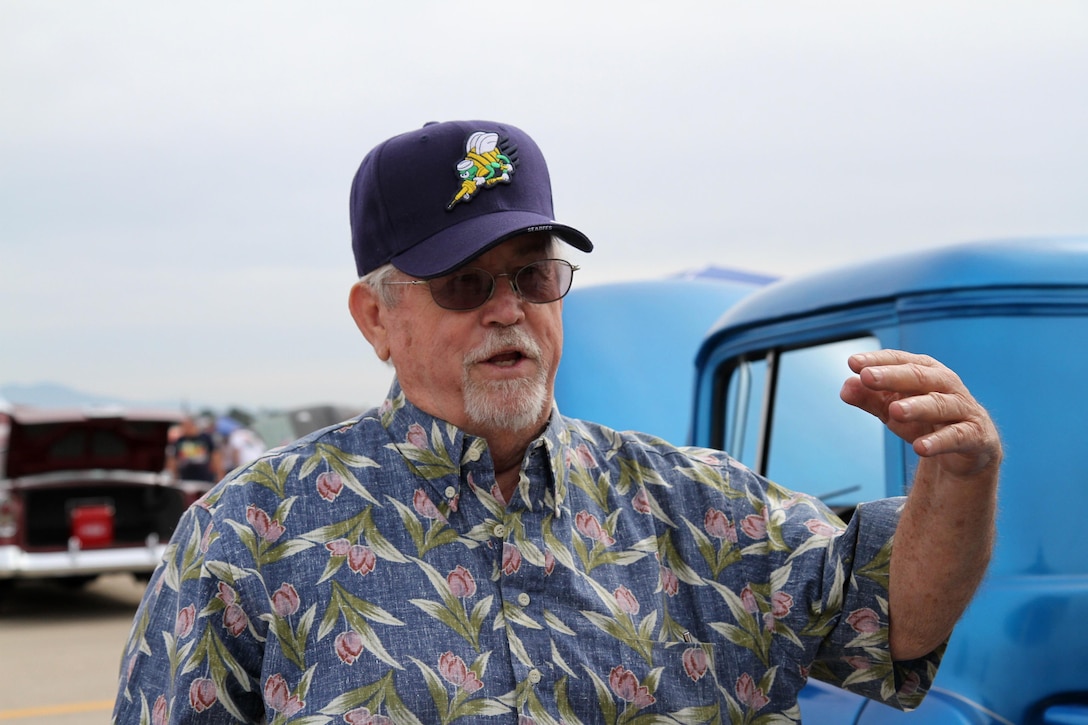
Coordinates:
744	410
784	419
817	443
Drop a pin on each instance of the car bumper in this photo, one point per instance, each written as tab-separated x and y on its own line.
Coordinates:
18	564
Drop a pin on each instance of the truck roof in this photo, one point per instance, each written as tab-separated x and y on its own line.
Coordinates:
1011	263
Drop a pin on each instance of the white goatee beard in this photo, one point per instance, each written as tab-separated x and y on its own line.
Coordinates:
515	405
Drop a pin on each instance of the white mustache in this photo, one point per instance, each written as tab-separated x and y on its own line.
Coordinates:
504	340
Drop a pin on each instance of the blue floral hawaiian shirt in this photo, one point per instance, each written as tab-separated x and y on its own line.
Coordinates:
372	573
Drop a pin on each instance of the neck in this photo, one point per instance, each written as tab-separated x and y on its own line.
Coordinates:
507	450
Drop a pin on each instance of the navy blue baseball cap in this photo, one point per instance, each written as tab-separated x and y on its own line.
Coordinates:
430	200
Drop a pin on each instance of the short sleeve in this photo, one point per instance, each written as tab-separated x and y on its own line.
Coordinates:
856	654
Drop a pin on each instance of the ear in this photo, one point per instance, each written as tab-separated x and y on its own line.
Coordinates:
367	310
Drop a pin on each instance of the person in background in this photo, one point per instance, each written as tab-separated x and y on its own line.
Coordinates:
240	445
193	454
464	552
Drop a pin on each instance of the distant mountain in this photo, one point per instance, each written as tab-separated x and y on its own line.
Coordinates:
55	395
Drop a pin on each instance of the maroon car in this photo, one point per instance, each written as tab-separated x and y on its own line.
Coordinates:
84	493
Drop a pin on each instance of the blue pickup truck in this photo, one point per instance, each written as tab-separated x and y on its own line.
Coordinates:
1011	318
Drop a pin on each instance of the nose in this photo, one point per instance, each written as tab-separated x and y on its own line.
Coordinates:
505	306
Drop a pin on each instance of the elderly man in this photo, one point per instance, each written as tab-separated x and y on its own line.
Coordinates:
465	552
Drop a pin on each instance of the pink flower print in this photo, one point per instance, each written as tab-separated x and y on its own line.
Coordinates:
206	539
362	716
417	436
910	685
361	559
822	528
624	683
581	456
707	457
266	528
159	713
348	646
858	663
511	558
453	669
329	485
781	603
590	527
202	694
526	720
183	625
425	507
641	501
695	663
549	562
278	697
235	620
749	695
227	595
795	499
670	584
864	621
626	600
755	526
462	585
339	547
285	600
748	599
718	526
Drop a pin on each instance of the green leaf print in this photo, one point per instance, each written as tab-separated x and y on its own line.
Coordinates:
356	612
265	472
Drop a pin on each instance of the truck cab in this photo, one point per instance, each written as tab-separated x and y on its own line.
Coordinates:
1011	318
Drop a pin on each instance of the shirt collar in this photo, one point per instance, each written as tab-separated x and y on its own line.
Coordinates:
434	448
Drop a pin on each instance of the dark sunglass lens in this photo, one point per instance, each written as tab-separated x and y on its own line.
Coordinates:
544	281
464	290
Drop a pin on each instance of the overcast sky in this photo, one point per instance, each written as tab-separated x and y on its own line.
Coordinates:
174	177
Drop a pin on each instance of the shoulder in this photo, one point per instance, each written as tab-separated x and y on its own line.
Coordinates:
352	444
609	445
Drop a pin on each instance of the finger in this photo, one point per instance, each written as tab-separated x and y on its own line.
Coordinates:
919	376
965	447
935	408
858	395
887	356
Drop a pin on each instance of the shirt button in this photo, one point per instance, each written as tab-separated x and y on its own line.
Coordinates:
523	599
534	676
499	530
450	491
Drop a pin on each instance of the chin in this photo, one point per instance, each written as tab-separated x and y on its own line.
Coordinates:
511	405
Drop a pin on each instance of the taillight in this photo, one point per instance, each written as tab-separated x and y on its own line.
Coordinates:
10	511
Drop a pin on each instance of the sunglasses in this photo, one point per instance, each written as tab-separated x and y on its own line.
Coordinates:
546	280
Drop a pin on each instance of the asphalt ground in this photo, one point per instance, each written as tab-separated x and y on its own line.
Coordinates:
60	650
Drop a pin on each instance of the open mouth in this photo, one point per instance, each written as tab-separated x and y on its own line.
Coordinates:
508	358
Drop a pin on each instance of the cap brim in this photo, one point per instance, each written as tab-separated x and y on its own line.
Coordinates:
456	245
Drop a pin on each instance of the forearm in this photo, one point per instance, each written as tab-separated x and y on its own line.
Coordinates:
942	548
